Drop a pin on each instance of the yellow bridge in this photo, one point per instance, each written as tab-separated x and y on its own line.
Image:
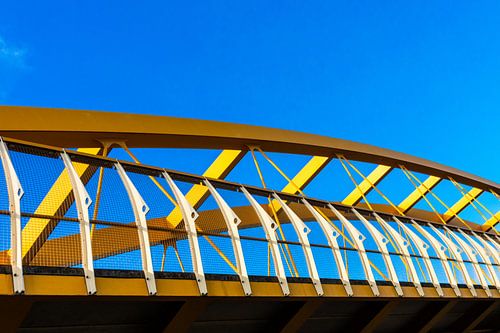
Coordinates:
335	236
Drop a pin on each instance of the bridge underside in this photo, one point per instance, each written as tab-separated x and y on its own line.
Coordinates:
124	306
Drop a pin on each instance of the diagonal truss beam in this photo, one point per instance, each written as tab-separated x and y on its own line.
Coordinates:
365	186
56	202
462	203
220	168
415	196
303	178
493	221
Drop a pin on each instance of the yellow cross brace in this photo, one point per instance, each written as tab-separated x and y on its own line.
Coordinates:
491	222
56	202
461	204
417	194
366	185
303	177
220	168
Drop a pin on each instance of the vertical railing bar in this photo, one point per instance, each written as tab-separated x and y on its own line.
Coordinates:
302	231
83	202
232	222
140	210
485	258
471	254
381	242
331	236
403	245
422	249
269	227
440	251
358	239
457	253
189	216
15	193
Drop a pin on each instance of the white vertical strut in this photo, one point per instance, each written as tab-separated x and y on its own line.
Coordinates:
15	192
140	210
269	227
440	251
189	216
403	245
490	249
422	249
381	242
83	202
471	254
232	222
483	253
358	238
458	256
331	236
302	231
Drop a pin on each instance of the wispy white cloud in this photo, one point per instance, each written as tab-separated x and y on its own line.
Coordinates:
11	55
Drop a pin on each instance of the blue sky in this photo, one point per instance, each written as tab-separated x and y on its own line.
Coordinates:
418	77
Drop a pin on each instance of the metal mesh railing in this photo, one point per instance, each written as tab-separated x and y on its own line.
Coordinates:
140	218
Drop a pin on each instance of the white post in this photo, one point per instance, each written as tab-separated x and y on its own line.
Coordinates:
189	216
269	227
83	202
302	231
381	242
331	236
15	192
403	245
140	210
358	238
422	249
458	256
232	222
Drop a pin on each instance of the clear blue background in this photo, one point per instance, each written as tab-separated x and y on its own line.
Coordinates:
419	77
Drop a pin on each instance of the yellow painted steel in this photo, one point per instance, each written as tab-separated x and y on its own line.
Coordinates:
303	177
222	165
34	233
366	185
493	221
53	285
415	196
462	203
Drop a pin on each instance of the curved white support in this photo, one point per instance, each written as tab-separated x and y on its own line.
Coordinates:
140	210
422	250
83	202
331	236
15	192
458	256
302	231
381	242
484	256
358	238
494	240
471	254
440	251
403	245
269	227
490	249
232	222
189	216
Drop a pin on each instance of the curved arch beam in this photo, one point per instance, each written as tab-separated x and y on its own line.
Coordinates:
78	128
